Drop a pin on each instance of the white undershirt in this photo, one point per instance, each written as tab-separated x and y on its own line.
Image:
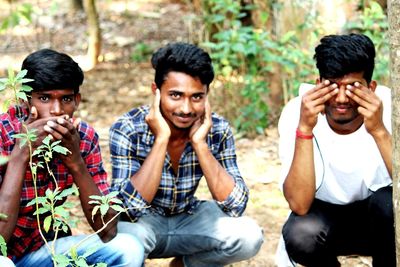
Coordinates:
348	167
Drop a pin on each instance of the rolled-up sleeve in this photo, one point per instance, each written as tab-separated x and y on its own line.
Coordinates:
125	163
235	204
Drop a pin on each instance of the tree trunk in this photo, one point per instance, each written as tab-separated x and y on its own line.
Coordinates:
94	41
75	6
394	33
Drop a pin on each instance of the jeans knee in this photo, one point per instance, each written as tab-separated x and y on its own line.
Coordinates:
248	241
303	237
130	248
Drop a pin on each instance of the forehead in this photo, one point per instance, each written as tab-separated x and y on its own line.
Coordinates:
55	93
183	82
348	78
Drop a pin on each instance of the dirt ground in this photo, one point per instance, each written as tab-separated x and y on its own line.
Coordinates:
117	84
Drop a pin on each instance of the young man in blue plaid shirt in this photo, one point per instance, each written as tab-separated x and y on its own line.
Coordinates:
159	154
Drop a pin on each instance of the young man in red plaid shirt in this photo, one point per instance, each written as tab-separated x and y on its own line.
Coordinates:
49	110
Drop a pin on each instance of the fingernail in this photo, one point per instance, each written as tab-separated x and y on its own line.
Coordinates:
51	123
60	120
334	85
326	82
349	86
47	128
357	84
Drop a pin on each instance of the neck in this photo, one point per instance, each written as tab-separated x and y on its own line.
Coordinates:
346	128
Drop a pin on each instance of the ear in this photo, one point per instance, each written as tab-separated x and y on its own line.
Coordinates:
78	98
372	85
153	87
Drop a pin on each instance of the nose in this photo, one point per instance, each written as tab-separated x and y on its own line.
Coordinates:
56	108
186	107
341	97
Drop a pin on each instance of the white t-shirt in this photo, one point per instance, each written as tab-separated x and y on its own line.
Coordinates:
347	167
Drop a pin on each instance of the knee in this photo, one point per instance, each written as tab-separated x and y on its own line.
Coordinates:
381	204
130	248
303	236
247	240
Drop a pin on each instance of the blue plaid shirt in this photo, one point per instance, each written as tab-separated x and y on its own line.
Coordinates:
131	141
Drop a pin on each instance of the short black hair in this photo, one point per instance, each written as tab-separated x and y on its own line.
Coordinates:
51	70
338	55
182	57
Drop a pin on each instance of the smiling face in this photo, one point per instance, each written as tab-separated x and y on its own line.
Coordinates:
58	102
341	111
182	100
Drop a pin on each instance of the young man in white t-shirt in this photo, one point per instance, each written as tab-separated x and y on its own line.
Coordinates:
335	147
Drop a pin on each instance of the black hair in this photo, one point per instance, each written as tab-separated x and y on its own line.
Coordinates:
182	57
338	55
51	70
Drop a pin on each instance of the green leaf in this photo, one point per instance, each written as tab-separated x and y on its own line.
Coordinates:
40	211
47	223
26	88
46	140
67	192
94	202
3	217
112	194
60	210
3	160
61	150
118	208
94	211
21	74
116	201
96	197
21	95
104	208
49	194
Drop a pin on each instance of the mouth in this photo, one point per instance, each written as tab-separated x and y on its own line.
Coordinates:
184	119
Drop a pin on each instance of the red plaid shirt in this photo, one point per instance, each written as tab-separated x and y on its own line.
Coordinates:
26	237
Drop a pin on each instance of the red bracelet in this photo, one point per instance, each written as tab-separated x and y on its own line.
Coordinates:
301	135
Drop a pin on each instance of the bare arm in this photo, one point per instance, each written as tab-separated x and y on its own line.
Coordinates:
218	179
147	180
371	108
299	186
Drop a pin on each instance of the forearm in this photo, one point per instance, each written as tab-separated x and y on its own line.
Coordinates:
10	194
219	182
384	142
299	186
147	179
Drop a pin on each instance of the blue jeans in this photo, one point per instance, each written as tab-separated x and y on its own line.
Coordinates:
123	250
206	238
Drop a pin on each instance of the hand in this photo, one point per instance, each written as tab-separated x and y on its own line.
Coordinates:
158	126
201	127
65	129
313	103
370	107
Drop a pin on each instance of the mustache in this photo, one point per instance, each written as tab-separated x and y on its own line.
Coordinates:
184	115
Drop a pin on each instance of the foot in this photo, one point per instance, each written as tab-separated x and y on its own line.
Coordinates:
177	262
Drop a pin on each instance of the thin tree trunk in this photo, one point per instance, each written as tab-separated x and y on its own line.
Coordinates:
394	33
75	6
94	41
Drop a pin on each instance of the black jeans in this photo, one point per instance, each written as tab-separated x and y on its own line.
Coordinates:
361	228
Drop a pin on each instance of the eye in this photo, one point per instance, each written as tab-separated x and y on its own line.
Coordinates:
44	98
197	97
67	99
175	95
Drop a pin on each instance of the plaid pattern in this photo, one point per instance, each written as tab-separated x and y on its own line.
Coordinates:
26	237
131	141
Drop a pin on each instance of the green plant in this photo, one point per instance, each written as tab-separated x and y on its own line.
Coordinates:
22	13
141	52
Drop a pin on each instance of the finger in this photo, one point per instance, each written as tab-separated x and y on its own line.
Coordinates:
55	135
363	98
322	94
33	115
157	99
55	128
208	110
76	122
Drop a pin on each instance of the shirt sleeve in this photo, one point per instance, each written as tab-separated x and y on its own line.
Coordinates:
287	124
90	150
125	163
235	204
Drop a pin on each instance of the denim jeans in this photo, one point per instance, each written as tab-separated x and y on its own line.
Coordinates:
208	237
124	250
361	228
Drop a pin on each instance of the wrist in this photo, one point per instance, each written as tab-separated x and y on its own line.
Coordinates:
304	135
